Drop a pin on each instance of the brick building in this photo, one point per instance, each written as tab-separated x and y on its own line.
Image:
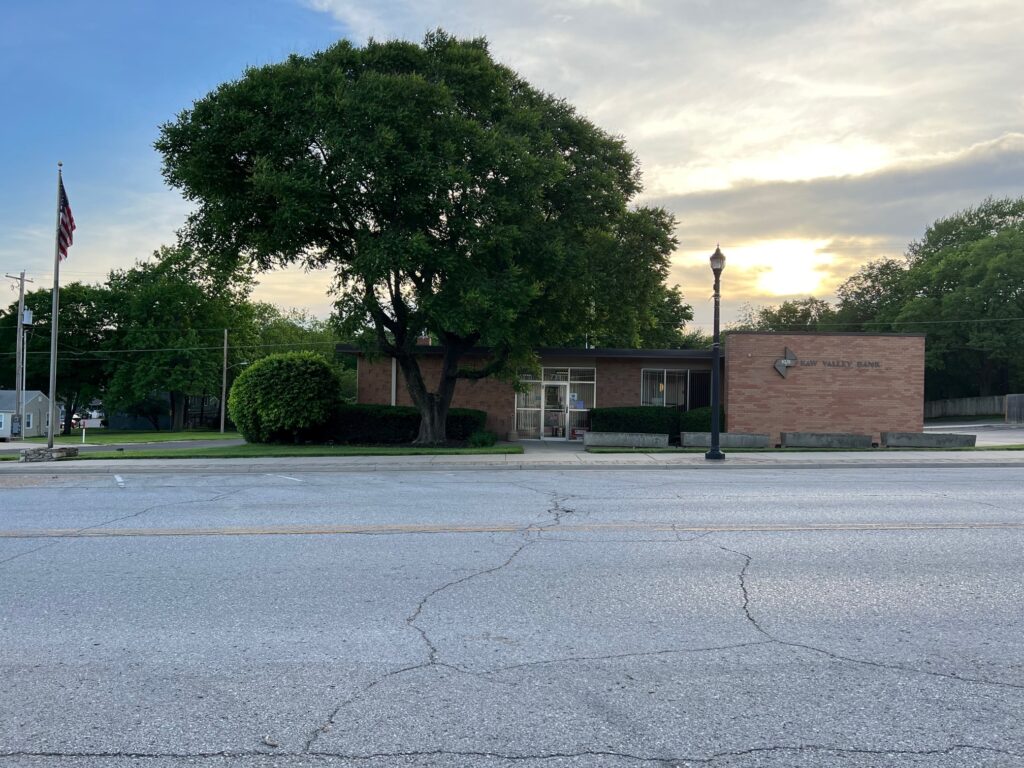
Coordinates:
555	404
818	382
824	382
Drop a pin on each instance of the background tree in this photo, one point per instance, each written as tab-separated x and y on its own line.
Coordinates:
84	328
446	194
970	300
295	330
808	314
169	314
968	226
871	298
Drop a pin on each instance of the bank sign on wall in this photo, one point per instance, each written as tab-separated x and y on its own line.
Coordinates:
790	360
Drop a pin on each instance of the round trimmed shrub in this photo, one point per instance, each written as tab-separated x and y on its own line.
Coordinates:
285	398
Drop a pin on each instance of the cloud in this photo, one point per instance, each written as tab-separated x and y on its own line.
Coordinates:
831	226
113	231
895	204
294	287
809	137
709	93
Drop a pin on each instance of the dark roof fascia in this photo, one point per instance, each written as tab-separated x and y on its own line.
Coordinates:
672	354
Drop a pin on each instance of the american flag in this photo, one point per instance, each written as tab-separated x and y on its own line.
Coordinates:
66	227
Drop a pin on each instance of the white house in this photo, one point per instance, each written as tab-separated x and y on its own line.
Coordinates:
37	413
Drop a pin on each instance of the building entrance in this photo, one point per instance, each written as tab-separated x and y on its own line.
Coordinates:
555	405
556	411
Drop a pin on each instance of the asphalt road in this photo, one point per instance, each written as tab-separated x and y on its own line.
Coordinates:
800	618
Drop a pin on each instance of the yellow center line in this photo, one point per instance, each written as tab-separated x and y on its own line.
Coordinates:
342	530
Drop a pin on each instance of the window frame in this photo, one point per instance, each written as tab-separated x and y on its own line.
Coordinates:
664	386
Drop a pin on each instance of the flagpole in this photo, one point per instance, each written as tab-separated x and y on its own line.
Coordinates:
53	317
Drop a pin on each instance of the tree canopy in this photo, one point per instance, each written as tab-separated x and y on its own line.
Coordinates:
445	193
84	327
167	315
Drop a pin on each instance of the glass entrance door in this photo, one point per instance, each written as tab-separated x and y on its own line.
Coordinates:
555	408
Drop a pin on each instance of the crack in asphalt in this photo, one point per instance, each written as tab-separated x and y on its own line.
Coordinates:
668	762
840	657
412	618
617	656
797	748
113	520
679	534
557	511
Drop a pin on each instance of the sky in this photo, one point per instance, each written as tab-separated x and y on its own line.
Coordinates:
808	137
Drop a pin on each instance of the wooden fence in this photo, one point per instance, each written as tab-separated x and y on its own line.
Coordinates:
994	405
1015	409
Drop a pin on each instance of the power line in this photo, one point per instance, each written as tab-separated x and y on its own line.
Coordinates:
77	354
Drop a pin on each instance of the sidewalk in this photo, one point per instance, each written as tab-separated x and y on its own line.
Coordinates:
536	458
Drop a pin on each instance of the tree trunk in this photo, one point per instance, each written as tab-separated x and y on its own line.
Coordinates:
433	422
69	412
177	411
433	406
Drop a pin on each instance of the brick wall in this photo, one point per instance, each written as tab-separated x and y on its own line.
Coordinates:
859	383
494	397
618	384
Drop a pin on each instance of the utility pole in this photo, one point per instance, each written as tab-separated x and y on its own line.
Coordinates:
224	383
20	358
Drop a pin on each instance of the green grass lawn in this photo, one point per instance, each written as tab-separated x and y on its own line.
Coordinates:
109	436
275	451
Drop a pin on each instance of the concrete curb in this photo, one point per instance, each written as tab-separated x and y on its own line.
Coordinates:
328	465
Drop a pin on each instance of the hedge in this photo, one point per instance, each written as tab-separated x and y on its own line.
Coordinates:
649	419
642	418
699	420
395	424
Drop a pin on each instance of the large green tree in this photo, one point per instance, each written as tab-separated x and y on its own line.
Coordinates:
447	195
969	298
83	328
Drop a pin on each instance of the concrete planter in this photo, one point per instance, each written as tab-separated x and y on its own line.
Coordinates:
625	440
825	440
927	440
725	440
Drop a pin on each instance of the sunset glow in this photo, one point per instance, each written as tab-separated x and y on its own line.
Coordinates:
806	138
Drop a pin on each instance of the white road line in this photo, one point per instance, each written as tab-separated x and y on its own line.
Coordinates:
119	480
297	480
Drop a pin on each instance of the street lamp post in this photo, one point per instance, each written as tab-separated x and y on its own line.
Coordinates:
715	454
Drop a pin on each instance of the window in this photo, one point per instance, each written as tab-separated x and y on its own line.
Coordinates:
2	415
680	388
556	374
28	416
